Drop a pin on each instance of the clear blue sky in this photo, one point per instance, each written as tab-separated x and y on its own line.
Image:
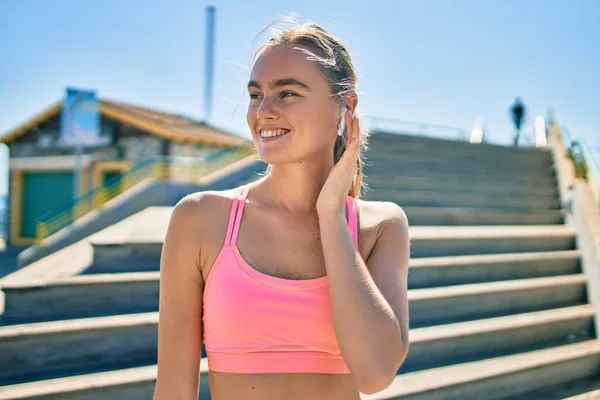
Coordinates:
442	62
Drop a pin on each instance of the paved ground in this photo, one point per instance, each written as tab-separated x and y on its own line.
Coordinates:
7	268
8	259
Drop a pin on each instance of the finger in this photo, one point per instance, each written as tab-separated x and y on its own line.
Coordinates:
349	126
348	119
355	138
352	147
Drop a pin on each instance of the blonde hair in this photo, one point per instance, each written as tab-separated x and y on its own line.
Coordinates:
335	63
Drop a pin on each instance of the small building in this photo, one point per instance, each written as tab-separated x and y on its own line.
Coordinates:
42	173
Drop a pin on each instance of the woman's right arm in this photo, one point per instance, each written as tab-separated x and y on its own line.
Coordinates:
180	306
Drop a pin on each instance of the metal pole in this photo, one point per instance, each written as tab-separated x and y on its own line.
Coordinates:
76	172
209	61
77	175
78	152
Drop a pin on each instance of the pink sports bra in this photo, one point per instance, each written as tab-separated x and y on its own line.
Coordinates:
258	323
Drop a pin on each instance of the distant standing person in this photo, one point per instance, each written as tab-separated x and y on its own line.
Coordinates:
518	117
296	287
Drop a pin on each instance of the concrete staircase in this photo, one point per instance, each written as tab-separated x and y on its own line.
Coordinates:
498	303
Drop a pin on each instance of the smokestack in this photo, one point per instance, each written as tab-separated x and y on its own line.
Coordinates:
209	66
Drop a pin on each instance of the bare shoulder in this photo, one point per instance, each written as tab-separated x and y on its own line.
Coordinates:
380	214
203	205
204	216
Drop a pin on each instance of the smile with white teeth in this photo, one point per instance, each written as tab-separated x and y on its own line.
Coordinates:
271	133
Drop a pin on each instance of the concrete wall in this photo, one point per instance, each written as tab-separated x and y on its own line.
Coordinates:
583	215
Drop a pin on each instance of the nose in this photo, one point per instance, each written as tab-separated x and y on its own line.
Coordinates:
266	110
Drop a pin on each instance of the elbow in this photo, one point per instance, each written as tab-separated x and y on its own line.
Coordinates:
372	382
375	383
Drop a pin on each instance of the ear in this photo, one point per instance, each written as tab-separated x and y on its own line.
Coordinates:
352	102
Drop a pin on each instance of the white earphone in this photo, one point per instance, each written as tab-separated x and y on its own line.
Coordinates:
342	121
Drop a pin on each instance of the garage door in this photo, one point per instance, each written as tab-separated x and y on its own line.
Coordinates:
43	192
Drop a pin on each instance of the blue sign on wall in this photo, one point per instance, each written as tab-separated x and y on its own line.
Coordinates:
80	120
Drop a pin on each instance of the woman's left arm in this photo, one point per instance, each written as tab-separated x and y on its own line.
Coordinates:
369	305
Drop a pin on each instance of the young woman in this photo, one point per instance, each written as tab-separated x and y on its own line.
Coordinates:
297	288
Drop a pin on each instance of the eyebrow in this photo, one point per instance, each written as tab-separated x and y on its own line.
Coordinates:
281	82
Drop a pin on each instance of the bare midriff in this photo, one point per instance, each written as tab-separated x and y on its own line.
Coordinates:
298	386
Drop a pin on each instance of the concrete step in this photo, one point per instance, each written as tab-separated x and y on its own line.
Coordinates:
120	254
109	294
470	184
458	174
97	295
456	216
407	142
443	305
429	346
123	253
581	389
458	270
499	377
132	245
382	155
452	155
447	198
51	349
109	258
437	241
124	384
137	292
424	167
443	344
570	364
438	346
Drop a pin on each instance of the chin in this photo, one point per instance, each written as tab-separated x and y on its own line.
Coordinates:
274	158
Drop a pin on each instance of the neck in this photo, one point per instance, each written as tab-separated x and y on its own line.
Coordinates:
294	187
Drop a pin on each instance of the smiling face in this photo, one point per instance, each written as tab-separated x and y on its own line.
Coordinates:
288	91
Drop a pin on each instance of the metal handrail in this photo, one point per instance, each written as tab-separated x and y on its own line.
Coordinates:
398	126
586	164
593	163
566	136
574	152
593	169
172	168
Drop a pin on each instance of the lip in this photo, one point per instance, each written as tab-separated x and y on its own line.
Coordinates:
271	128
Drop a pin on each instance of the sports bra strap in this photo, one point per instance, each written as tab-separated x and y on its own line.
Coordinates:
232	216
241	202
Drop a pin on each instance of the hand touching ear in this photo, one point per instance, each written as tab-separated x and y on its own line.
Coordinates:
337	186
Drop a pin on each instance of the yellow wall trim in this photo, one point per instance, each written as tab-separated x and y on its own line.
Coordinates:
102	166
32	123
166	132
16	201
